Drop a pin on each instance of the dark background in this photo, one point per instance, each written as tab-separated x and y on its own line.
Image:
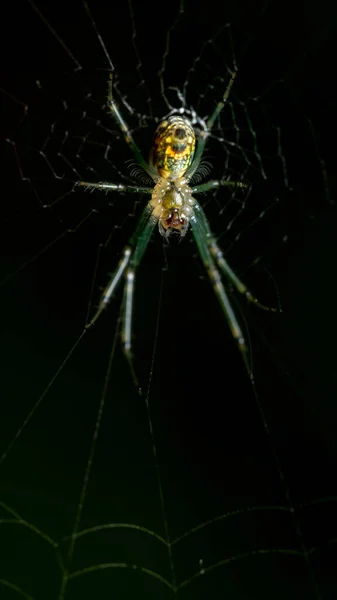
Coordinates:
255	466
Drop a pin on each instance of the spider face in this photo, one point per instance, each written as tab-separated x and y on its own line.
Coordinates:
173	148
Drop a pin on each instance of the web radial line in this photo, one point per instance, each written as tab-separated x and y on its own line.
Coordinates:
304	550
56	36
93	282
154	447
31	260
99	37
139	62
87	473
40	400
166	52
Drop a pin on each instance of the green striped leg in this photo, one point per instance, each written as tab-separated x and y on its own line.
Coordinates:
143	239
132	255
127	132
221	262
218	183
214	274
116	187
209	124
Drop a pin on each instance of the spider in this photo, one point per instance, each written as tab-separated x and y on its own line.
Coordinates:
175	156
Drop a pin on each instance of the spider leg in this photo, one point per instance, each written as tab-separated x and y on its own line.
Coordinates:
143	238
211	120
202	138
223	265
217	183
132	255
214	274
127	324
127	132
116	187
127	311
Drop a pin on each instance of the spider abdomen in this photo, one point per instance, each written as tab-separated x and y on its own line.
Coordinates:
173	148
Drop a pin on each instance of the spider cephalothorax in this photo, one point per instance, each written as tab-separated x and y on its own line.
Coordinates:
172	204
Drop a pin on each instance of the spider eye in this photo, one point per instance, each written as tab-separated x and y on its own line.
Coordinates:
180	133
175	219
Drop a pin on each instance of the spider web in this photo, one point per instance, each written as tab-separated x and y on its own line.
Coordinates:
208	487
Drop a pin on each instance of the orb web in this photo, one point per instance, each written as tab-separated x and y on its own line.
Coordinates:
208	486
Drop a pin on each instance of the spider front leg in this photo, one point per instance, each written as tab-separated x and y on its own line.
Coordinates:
217	183
128	137
204	133
115	187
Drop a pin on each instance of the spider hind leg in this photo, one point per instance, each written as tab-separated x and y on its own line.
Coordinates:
220	292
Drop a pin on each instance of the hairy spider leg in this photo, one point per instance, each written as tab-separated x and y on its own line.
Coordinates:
220	292
128	137
214	184
142	238
116	187
220	260
127	132
204	133
132	255
211	120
